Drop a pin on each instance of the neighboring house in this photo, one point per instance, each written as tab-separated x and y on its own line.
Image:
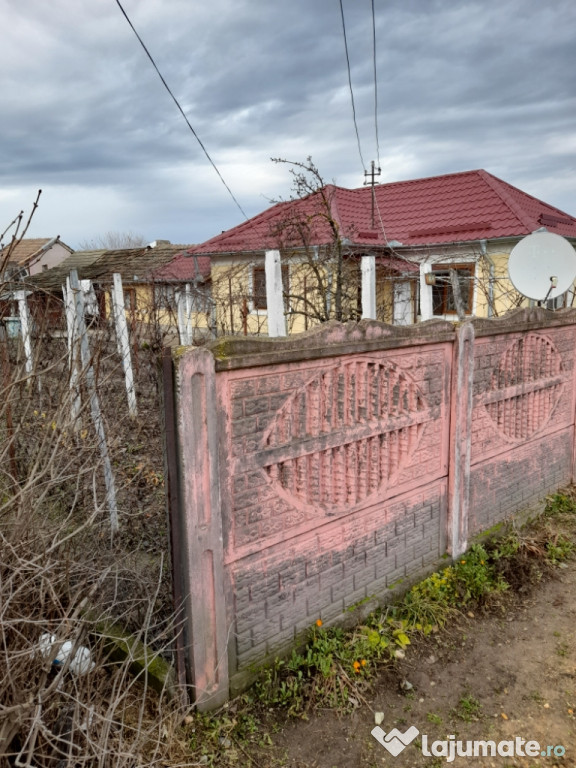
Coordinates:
33	256
135	266
466	221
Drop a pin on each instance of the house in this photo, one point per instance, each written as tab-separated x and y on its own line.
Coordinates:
32	256
467	222
142	297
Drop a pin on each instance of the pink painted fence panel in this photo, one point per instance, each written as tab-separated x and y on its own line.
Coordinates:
318	472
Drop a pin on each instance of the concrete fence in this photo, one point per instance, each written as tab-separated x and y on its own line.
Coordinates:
317	472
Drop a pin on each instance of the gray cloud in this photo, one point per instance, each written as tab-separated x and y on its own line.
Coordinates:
483	83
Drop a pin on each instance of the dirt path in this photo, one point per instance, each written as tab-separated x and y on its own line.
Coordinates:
493	678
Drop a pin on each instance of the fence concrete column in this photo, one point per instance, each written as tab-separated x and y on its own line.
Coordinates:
368	268
461	403
426	308
206	633
275	294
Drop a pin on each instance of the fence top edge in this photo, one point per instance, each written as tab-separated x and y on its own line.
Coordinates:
334	339
331	339
524	319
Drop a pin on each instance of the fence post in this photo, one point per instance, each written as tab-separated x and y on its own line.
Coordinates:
184	310
88	371
461	402
206	632
275	294
368	269
426	308
123	340
24	313
73	356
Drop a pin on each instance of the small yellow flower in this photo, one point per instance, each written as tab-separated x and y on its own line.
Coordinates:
363	662
481	562
462	561
318	622
356	666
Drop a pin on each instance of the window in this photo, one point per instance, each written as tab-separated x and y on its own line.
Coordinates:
259	286
558	302
130	299
442	295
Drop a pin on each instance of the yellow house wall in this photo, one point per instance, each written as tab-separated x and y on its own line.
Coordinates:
146	311
232	291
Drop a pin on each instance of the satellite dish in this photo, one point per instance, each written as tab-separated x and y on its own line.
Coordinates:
542	266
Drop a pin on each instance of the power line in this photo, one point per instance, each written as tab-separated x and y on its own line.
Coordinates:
375	83
212	163
350	85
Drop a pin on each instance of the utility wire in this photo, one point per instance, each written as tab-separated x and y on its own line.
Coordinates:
350	85
212	163
375	82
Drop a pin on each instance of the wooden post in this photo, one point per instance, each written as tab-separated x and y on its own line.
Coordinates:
88	371
274	294
123	341
24	313
368	268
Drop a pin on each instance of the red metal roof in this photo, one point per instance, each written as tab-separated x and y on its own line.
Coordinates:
458	207
184	268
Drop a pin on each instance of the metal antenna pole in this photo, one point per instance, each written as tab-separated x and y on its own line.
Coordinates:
371	175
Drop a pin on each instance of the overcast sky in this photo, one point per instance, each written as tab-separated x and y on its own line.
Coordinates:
461	85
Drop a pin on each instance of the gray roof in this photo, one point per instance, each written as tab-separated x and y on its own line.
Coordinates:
99	266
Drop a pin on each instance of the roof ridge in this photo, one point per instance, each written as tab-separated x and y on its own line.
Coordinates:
333	207
494	183
529	196
417	181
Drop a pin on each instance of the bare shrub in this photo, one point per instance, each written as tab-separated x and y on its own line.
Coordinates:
63	578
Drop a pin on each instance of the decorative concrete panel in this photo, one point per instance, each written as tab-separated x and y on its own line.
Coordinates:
320	440
523	388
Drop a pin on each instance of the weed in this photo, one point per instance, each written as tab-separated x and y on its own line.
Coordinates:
433	718
559	549
476	576
562	649
468	709
560	503
536	697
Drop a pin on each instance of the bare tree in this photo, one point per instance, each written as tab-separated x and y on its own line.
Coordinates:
324	277
112	241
